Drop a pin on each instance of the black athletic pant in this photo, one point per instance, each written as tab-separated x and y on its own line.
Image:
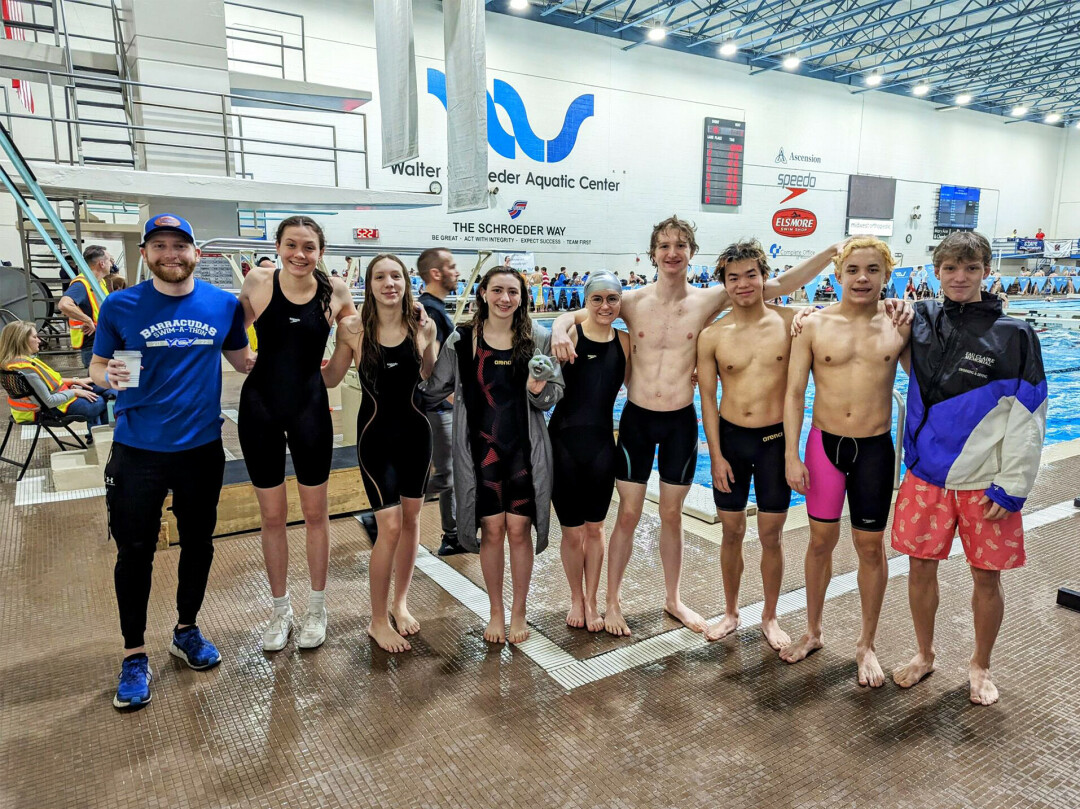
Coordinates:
136	483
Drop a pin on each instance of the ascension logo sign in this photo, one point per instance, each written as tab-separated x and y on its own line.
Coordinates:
517	209
794	222
505	143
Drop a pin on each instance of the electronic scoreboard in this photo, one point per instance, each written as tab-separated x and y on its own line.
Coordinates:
958	207
722	162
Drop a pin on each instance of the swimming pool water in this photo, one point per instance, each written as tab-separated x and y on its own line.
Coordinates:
1061	358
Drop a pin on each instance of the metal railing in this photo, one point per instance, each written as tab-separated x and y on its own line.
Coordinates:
235	147
244	32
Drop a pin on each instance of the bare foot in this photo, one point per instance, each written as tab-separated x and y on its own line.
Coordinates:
983	691
576	616
776	637
519	629
914	672
614	623
870	672
801	649
406	624
594	621
384	635
496	629
722	628
686	616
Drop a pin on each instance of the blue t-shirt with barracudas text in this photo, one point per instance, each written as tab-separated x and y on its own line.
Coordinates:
177	405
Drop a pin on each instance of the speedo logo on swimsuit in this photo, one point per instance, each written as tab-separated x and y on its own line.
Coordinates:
979	358
590	356
391	365
771	437
504	362
294	320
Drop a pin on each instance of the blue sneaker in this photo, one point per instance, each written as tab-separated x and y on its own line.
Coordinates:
195	650
134	689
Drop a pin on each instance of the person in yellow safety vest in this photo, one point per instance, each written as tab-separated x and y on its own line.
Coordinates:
19	343
80	304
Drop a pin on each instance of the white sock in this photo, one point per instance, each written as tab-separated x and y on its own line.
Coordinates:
281	605
316	601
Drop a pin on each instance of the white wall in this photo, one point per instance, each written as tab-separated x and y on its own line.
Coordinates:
647	135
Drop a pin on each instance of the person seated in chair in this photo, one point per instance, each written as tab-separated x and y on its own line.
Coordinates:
19	343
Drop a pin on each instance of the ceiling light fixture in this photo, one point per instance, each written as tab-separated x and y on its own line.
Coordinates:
728	49
519	5
963	98
920	89
873	80
1052	117
791	62
657	33
1019	112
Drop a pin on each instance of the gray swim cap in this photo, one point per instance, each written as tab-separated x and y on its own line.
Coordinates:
602	279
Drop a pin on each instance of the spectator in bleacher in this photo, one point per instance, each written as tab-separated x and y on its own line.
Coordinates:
80	303
1039	234
575	281
19	345
266	262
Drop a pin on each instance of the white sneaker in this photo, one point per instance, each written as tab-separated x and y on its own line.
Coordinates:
276	635
313	632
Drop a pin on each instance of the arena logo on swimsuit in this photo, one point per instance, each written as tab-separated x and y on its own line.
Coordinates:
505	143
794	222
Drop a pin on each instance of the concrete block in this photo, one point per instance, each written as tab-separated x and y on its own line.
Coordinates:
70	471
98	452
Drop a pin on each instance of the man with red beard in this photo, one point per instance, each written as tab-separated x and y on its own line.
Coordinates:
168	436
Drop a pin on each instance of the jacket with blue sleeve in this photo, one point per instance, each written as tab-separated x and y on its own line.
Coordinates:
976	405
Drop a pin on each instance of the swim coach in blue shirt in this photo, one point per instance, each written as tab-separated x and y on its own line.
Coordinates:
168	436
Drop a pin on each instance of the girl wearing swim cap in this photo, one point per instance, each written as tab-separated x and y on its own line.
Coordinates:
583	444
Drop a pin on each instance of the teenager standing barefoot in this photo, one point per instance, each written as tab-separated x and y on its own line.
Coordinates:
393	352
502	454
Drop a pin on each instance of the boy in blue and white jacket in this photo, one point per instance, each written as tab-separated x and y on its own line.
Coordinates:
976	419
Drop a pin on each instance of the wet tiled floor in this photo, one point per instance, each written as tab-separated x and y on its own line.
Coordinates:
457	722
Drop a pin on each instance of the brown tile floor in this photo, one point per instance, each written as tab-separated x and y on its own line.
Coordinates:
459	723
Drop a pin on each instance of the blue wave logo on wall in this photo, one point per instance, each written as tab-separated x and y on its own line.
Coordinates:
505	143
517	209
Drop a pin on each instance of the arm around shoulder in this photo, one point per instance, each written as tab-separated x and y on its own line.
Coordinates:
443	377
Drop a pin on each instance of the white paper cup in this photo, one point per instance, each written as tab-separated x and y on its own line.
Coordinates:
133	361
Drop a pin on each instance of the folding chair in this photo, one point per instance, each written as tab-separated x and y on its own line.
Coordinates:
45	418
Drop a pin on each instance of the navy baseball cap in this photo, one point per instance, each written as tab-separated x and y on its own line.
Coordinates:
168	221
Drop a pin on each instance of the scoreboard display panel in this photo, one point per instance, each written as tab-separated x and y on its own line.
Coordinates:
958	207
722	162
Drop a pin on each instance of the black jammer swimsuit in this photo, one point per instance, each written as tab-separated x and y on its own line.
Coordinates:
394	445
582	434
284	398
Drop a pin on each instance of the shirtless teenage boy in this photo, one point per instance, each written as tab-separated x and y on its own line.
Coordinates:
749	350
852	348
663	320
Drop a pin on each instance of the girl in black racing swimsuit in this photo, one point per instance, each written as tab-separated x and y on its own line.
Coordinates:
392	353
284	401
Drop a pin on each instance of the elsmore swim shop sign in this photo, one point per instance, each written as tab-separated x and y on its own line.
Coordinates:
794	222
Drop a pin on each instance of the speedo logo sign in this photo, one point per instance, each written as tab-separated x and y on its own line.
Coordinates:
796	184
794	222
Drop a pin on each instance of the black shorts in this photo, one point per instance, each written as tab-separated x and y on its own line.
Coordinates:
676	433
758	453
584	462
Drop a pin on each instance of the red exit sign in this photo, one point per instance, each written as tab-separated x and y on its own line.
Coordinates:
361	234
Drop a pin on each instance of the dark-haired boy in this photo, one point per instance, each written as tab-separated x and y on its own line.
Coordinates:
748	349
976	420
